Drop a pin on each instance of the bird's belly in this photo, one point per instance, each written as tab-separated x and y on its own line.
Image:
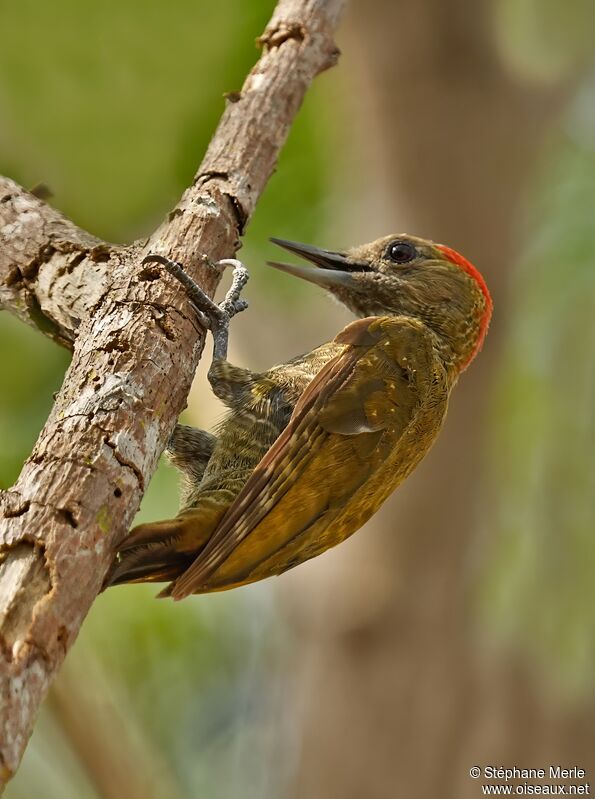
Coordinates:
326	505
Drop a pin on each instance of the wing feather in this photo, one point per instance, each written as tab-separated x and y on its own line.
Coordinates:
357	394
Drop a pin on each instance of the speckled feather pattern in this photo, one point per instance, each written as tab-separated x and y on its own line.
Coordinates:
310	449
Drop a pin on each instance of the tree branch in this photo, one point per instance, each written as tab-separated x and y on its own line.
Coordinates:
52	273
136	346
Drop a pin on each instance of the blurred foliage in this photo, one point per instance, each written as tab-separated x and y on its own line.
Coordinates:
110	103
32	369
545	40
540	584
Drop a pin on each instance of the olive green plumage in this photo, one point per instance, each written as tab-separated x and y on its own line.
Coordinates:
310	449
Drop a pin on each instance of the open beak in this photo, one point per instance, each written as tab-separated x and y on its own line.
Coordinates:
334	268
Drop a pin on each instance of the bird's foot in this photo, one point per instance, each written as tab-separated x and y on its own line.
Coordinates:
233	302
212	316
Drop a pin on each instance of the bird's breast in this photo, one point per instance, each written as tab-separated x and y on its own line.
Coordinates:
334	497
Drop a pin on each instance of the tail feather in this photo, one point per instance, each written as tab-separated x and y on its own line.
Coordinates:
165	532
147	563
156	552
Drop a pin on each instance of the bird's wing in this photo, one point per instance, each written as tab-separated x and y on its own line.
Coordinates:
374	384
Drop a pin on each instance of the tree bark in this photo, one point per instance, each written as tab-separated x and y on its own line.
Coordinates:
135	346
400	691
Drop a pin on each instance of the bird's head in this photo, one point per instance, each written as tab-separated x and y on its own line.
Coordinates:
403	275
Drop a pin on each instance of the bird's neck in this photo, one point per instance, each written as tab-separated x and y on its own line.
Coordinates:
449	355
458	339
455	342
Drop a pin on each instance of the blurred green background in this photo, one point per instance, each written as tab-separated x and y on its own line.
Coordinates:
466	607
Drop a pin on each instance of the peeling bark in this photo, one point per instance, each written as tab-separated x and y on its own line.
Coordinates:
135	346
45	262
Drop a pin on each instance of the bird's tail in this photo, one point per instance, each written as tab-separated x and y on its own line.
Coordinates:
149	555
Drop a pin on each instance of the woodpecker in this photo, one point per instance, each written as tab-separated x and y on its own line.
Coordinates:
311	448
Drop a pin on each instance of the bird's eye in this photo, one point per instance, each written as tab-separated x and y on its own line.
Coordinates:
401	252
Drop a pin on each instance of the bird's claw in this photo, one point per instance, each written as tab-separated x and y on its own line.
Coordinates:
233	303
212	316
